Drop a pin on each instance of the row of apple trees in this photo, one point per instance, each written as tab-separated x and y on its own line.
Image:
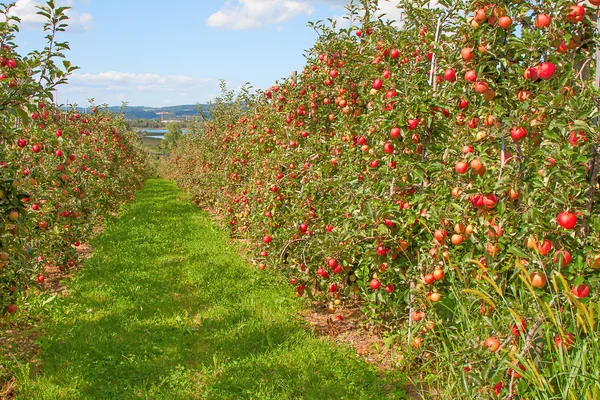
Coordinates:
61	173
443	168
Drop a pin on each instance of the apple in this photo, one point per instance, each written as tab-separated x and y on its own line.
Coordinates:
562	258
267	239
428	279
566	342
542	21
450	75
456	239
389	288
481	87
438	274
374	284
531	74
471	76
377	84
492	343
518	133
581	291
333	288
575	13
546	70
434	297
461	167
396	133
440	235
467	53
417	316
505	22
413	123
11	309
538	280
567	220
544	248
516	329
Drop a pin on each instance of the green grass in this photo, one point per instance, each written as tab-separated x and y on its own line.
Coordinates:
166	309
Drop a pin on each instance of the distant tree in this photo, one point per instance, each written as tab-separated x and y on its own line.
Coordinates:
173	134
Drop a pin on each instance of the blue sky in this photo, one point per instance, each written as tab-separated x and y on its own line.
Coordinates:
158	53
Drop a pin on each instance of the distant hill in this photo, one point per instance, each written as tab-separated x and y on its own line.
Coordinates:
175	112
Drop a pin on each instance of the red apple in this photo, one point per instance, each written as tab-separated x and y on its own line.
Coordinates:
567	220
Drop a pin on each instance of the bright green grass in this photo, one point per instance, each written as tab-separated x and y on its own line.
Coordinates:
166	309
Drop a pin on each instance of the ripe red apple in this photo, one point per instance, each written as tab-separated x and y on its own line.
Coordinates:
267	239
544	248
11	309
575	13
492	343
450	75
413	123
481	87
567	220
428	279
581	291
471	76
377	84
542	21
562	257
440	235
518	133
374	284
396	133
546	70
565	342
531	73
467	53
388	147
505	22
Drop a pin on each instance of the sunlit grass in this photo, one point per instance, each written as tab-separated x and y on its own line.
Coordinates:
166	309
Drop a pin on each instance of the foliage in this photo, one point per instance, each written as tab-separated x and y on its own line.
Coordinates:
424	169
61	172
173	134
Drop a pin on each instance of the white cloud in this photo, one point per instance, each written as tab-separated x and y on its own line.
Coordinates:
112	87
27	11
387	7
252	14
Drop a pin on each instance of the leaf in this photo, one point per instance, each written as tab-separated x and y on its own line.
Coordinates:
481	295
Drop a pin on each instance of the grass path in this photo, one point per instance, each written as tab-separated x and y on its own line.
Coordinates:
166	309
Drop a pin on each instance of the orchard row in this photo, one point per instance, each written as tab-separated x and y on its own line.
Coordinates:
445	172
61	173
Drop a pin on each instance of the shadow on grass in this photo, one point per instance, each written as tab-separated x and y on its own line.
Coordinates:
166	309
